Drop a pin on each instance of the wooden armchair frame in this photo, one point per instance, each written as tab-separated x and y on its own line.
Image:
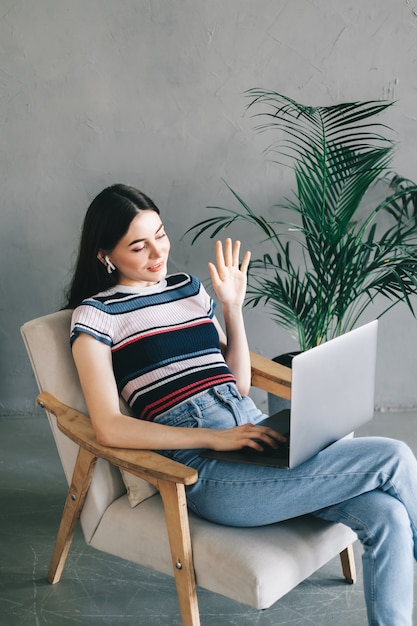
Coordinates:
168	476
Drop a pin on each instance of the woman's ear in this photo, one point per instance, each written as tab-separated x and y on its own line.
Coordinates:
101	257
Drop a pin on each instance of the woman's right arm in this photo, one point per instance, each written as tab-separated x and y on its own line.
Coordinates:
113	428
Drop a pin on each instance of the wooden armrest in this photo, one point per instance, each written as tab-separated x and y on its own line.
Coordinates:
143	463
168	476
271	376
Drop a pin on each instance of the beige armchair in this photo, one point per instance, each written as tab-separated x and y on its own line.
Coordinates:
255	566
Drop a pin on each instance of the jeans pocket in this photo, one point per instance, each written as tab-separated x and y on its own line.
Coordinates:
184	416
243	407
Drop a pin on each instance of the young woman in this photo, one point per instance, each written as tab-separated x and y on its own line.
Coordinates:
154	339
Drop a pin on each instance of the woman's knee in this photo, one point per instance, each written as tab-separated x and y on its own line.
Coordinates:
384	449
398	447
401	455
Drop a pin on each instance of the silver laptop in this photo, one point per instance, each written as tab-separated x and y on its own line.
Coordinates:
332	394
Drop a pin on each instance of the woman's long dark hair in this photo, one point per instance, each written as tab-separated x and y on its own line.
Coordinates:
107	220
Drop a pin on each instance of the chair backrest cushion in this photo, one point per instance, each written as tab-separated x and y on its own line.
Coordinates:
47	343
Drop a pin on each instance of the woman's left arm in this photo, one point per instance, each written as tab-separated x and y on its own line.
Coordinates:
229	282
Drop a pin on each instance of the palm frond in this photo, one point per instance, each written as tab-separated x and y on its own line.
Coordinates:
331	263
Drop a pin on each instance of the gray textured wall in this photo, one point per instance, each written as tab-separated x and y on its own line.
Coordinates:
150	93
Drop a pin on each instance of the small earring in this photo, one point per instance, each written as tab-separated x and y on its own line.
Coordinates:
109	265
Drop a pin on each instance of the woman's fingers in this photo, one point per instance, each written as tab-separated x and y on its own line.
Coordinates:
247	436
245	263
258	435
270	437
236	251
229	257
219	255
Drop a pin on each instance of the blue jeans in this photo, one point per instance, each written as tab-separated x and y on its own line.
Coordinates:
369	484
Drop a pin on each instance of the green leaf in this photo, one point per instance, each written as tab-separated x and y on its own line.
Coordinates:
320	272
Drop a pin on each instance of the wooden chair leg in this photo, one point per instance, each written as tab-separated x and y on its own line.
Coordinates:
81	480
176	513
347	559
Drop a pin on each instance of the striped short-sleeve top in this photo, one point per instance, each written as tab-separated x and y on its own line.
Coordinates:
165	346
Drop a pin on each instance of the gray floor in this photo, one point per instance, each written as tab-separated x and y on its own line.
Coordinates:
99	590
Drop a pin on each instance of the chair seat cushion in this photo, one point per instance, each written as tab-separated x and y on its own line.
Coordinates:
255	566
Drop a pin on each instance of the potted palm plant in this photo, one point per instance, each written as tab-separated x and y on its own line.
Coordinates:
336	252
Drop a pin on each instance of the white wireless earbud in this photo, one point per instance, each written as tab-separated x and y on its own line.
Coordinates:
109	265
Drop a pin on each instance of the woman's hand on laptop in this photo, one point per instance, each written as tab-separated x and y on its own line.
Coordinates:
247	435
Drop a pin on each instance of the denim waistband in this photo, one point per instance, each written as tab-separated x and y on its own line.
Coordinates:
203	399
221	406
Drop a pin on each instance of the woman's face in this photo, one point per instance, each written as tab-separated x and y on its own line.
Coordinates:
141	255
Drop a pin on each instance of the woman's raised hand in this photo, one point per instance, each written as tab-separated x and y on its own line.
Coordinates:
227	275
